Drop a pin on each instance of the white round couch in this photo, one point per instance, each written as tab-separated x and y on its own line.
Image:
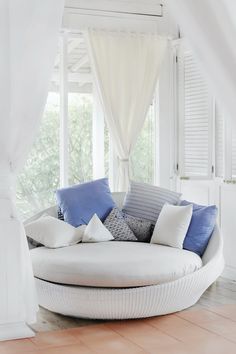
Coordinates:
136	299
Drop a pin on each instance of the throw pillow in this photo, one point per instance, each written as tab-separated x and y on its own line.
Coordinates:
95	231
53	233
116	224
80	202
142	229
146	201
201	227
60	216
172	225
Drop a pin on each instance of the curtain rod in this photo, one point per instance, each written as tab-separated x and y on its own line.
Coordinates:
119	12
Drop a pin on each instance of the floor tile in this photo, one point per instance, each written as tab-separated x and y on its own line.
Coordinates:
211	346
78	348
228	311
220	327
198	316
55	338
144	335
16	346
102	339
180	329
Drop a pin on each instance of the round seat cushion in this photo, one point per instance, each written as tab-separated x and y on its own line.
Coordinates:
113	264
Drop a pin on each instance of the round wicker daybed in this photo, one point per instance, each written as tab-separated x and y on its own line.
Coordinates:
139	299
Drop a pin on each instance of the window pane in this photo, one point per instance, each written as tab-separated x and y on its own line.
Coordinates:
80	137
143	156
40	177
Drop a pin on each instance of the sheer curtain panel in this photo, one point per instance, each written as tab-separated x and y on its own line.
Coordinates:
28	42
126	67
210	27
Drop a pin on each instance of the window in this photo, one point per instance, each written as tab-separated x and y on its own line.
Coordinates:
207	137
86	150
80	137
143	157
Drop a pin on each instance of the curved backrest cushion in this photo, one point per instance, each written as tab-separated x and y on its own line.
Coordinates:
201	227
80	202
145	201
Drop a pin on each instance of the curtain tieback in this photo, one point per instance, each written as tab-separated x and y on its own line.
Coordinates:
124	160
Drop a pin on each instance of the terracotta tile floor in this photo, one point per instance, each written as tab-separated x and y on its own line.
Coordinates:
194	331
207	328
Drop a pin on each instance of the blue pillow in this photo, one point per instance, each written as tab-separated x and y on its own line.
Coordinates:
80	202
201	227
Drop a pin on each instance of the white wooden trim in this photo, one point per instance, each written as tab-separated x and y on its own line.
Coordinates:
156	138
98	138
73	77
10	331
143	6
228	149
64	141
80	62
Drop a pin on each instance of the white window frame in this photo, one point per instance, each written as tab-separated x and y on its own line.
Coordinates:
63	89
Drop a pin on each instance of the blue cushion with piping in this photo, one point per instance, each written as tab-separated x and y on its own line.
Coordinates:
201	227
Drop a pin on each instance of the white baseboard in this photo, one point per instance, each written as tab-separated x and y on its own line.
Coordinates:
229	273
18	330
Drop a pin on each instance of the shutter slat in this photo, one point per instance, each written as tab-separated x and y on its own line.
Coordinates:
195	137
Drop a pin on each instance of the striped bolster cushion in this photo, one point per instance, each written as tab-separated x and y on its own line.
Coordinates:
146	201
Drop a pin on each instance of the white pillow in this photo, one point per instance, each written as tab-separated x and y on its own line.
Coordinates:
172	225
95	231
54	233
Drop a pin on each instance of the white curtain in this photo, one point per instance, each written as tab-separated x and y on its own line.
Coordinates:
210	27
28	42
126	68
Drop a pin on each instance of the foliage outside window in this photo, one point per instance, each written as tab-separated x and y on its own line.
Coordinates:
80	138
144	153
40	178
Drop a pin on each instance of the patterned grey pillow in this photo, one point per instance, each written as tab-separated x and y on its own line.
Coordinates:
60	216
142	229
117	226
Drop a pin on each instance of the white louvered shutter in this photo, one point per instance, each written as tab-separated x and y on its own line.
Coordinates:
219	142
233	153
195	120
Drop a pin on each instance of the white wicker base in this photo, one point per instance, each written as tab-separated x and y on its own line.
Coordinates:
105	303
